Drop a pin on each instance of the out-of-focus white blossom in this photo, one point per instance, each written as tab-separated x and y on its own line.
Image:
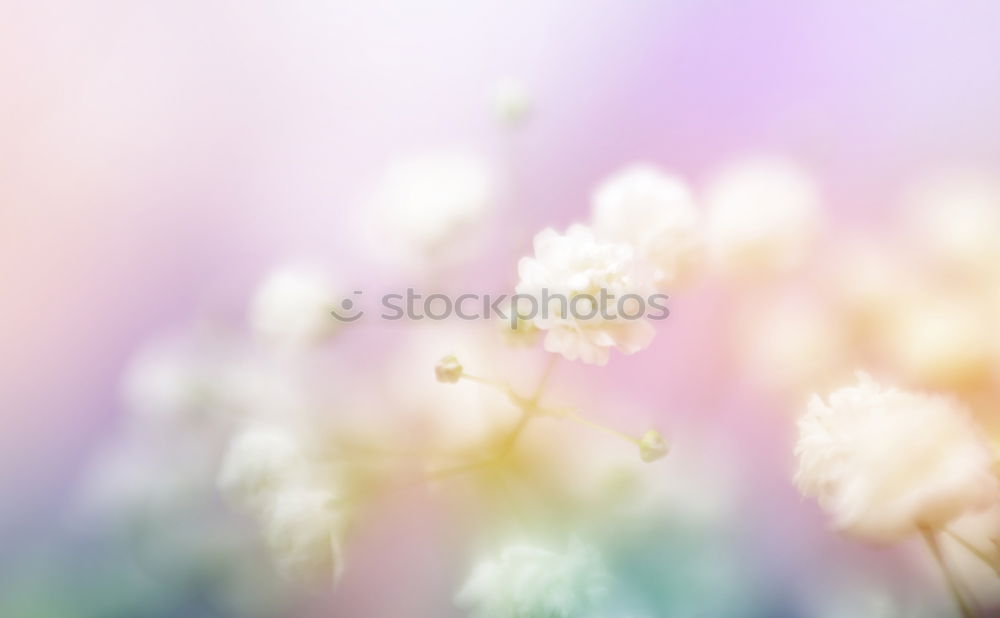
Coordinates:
141	476
940	343
867	280
176	377
427	208
576	265
655	212
955	217
885	462
763	216
261	461
302	529
531	581
292	305
511	102
794	345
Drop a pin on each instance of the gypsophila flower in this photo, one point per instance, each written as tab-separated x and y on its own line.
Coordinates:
426	207
175	378
292	305
302	529
655	213
792	344
954	217
763	217
571	270
885	463
939	342
259	462
531	581
448	370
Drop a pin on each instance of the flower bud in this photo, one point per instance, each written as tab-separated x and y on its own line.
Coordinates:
652	446
448	370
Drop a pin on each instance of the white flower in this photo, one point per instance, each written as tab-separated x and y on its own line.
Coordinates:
654	212
260	462
763	217
571	270
530	581
427	207
303	533
292	305
941	342
175	378
793	345
955	217
885	462
511	102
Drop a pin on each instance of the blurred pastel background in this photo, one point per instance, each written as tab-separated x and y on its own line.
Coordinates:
157	159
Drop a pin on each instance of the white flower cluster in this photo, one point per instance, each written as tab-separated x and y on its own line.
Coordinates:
575	264
655	213
886	463
764	215
265	472
426	207
291	306
525	580
644	238
647	235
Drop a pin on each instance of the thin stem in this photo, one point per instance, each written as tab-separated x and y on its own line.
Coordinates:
544	380
993	563
932	544
457	470
486	381
573	416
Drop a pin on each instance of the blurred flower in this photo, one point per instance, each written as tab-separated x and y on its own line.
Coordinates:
259	462
291	306
531	581
302	531
885	462
955	217
763	217
511	102
793	345
426	207
655	213
175	378
577	264
867	277
940	343
146	475
266	472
